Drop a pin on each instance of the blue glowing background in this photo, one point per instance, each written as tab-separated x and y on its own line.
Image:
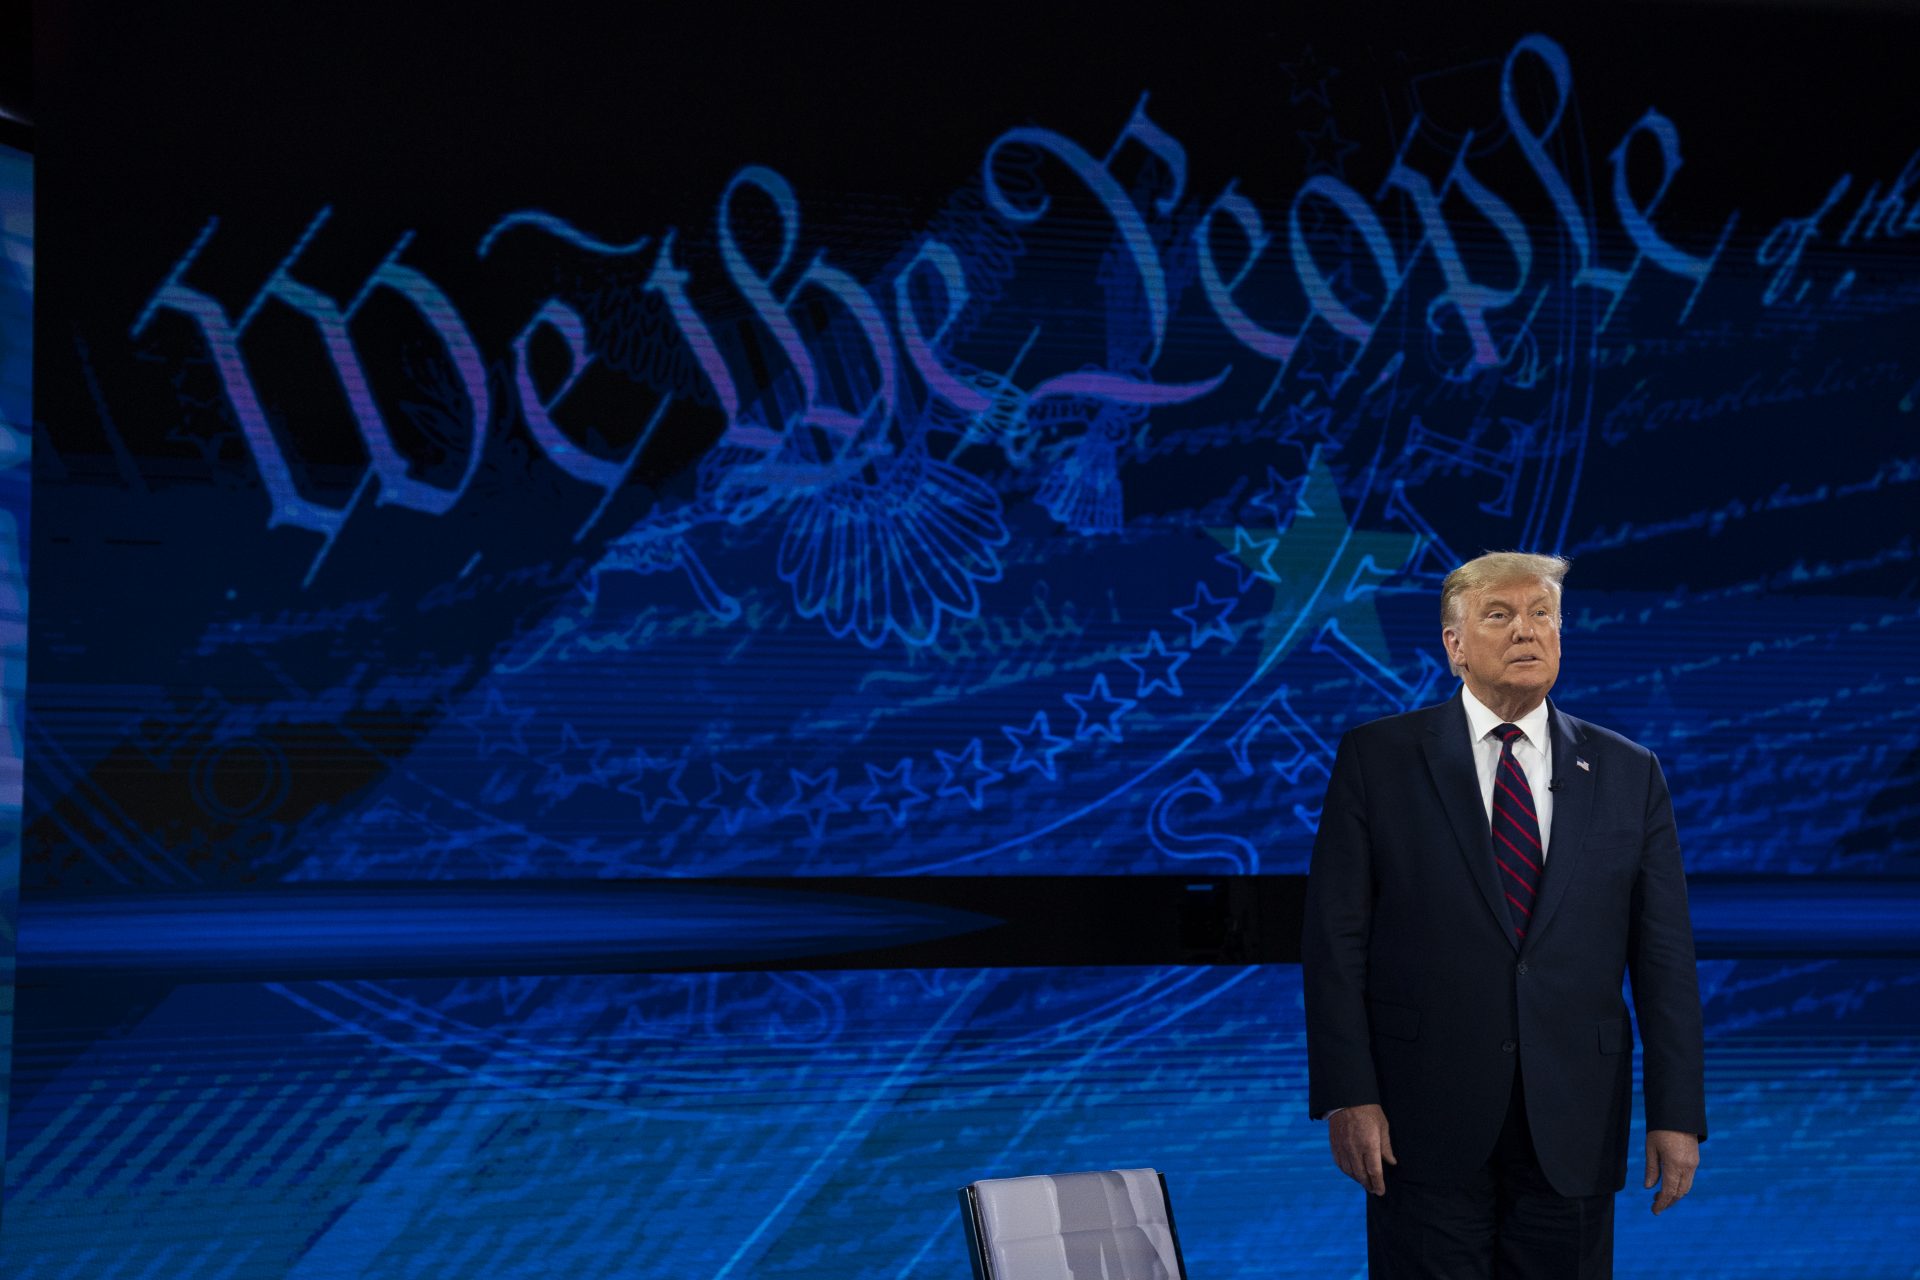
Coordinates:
16	419
917	473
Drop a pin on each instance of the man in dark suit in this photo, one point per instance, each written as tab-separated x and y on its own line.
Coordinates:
1486	871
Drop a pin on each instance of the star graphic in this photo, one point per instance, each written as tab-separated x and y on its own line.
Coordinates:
1324	572
204	424
1206	617
654	796
1283	497
815	798
1248	558
732	795
1324	358
573	765
1309	428
966	774
893	791
1157	668
1327	151
498	727
1099	711
1035	746
1308	76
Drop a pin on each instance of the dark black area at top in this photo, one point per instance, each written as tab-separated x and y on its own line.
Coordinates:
429	114
410	107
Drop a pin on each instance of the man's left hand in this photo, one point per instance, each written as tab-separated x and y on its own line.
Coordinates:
1672	1157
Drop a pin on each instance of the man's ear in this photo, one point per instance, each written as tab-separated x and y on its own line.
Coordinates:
1450	641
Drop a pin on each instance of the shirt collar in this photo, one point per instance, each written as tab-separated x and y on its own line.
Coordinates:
1482	722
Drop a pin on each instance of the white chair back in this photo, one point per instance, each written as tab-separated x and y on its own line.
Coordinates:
1110	1225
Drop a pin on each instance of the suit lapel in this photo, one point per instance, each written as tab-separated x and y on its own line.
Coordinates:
1449	752
1572	806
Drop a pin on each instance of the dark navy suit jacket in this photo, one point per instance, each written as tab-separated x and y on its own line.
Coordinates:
1420	998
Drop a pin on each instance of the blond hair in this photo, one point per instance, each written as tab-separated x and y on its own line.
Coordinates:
1494	568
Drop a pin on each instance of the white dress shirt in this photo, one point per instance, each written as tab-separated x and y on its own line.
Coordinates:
1533	753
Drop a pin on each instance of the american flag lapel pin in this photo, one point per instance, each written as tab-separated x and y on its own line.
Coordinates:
1585	767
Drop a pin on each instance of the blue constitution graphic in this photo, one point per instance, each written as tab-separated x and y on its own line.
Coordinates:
598	633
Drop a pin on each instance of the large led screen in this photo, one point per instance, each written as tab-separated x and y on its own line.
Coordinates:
554	538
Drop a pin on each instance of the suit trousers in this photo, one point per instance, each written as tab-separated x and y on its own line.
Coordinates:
1506	1221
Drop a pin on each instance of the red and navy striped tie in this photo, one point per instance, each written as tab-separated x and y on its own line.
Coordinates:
1516	832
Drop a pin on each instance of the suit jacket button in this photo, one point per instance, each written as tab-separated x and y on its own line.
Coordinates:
1506	1046
1523	966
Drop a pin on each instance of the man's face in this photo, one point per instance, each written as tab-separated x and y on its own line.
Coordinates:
1506	643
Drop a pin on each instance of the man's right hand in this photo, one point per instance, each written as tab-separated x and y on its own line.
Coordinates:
1360	1143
